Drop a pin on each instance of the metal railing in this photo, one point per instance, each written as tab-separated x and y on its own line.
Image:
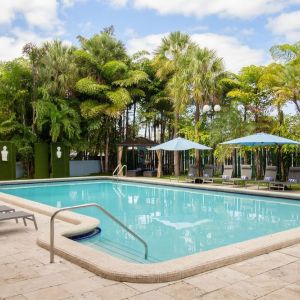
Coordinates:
101	209
118	170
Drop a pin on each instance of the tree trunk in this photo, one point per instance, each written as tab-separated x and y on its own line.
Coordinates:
162	129
280	115
145	133
197	152
133	122
296	104
106	152
176	153
127	123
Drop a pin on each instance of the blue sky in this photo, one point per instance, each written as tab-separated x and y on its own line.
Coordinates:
241	32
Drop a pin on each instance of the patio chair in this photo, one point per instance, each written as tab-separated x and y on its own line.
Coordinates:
270	176
15	215
192	174
5	209
227	174
293	178
134	173
150	173
207	174
246	175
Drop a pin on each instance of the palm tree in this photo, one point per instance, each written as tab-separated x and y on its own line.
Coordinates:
110	84
58	70
204	72
288	87
58	121
289	84
170	59
34	54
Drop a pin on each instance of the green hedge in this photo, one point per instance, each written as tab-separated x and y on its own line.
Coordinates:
41	160
8	168
60	166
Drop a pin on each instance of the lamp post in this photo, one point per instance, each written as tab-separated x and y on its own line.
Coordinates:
210	110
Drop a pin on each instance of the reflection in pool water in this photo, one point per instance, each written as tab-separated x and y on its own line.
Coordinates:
174	221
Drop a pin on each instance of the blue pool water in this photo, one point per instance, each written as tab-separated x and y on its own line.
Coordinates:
175	222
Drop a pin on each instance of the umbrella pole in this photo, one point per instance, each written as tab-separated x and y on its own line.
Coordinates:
183	162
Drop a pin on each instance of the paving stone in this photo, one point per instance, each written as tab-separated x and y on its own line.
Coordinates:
222	294
293	250
30	285
290	292
51	293
228	275
144	287
182	290
152	295
18	297
248	290
267	282
207	282
288	273
81	286
263	263
117	291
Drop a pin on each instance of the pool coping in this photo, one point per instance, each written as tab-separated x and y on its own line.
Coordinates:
117	269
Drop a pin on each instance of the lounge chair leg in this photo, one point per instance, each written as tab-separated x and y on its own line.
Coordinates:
17	221
24	222
34	221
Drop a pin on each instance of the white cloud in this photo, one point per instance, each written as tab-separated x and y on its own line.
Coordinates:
287	25
130	33
41	23
117	3
70	3
37	13
236	55
201	8
149	43
11	46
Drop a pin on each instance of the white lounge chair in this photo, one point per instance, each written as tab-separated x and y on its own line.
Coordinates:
15	215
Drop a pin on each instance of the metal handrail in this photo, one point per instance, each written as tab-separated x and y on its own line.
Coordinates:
105	212
119	170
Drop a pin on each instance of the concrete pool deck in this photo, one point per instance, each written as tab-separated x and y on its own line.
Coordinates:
116	269
25	273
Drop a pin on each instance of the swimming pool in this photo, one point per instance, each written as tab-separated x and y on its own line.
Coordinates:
174	221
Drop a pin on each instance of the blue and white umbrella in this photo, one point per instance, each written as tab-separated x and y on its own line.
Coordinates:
179	144
261	139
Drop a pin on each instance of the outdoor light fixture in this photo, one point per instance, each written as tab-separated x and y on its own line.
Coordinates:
207	108
217	108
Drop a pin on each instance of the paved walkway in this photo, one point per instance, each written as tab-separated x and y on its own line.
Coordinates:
25	273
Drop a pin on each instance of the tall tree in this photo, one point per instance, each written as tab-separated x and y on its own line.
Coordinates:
109	84
170	60
204	72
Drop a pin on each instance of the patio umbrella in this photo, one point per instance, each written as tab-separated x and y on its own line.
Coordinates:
261	139
179	144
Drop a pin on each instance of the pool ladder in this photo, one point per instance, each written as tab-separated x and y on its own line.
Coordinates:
101	209
118	171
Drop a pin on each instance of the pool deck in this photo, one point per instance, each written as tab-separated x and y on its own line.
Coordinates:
25	273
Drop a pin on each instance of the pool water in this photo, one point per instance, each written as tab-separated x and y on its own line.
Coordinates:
174	221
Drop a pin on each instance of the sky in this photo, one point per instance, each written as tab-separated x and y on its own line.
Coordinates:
241	31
